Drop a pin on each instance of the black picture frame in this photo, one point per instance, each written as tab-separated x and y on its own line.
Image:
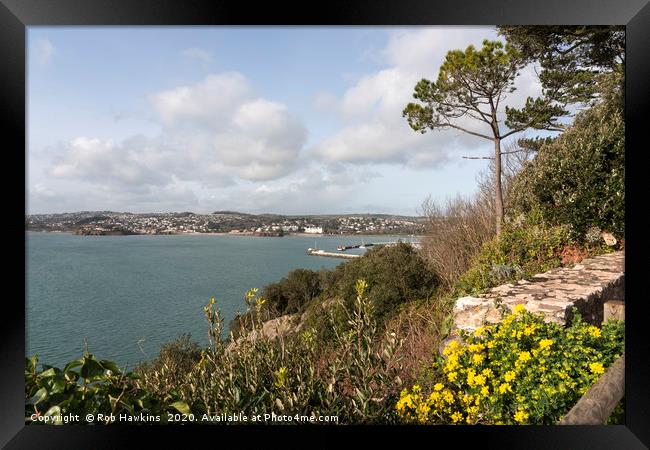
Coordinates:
16	15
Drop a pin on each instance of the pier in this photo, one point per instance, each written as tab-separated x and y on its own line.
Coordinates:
371	244
316	252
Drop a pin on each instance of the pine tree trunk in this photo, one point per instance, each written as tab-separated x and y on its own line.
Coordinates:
498	203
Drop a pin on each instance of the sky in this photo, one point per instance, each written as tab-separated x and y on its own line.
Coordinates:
289	120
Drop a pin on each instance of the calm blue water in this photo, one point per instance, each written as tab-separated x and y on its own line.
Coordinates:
127	295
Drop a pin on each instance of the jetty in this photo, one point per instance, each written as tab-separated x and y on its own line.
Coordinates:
317	252
372	244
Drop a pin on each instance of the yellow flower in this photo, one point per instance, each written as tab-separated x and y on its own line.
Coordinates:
478	359
520	308
521	416
487	372
529	329
423	412
451	376
504	387
509	376
452	363
475	347
523	357
545	343
404	402
594	331
479	331
596	368
479	380
456	417
453	345
448	397
439	386
485	391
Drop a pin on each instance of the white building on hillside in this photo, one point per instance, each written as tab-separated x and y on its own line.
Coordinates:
314	230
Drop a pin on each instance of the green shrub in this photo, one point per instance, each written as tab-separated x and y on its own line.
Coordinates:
87	386
287	376
175	359
579	178
519	371
518	252
287	296
396	275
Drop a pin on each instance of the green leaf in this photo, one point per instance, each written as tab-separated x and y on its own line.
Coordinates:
110	365
91	368
181	407
54	411
72	364
48	373
40	395
58	386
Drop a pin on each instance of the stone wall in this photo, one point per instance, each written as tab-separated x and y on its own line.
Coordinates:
585	286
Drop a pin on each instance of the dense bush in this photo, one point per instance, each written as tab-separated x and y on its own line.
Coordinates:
396	274
290	294
519	371
579	178
287	296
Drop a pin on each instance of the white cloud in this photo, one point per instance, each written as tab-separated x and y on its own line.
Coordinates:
43	51
215	133
210	102
128	165
311	191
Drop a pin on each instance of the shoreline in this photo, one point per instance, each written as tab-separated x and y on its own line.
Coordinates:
244	234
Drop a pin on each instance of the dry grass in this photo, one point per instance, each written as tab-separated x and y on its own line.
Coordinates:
457	229
455	233
422	327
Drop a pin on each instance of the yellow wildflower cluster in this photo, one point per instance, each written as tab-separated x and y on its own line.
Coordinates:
596	368
519	371
521	416
594	331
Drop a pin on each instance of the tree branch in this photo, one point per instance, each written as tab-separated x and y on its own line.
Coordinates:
484	136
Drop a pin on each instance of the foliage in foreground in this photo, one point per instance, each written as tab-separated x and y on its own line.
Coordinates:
86	386
519	371
358	383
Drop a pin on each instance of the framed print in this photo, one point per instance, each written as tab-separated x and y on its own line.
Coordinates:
390	219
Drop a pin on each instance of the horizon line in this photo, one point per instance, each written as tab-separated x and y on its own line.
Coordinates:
223	212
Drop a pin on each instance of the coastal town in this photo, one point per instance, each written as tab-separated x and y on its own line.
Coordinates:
122	223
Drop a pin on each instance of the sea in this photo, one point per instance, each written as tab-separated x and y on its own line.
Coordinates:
123	297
